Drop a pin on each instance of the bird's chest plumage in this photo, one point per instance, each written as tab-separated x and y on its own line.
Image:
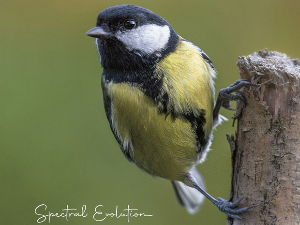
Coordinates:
162	133
157	144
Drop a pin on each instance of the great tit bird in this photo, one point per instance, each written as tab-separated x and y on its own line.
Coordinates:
158	91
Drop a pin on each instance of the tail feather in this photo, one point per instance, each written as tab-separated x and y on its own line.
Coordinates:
189	197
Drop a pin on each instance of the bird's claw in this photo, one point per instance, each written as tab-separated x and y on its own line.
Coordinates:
230	208
226	93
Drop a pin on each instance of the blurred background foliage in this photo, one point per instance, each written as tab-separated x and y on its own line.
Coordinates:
55	143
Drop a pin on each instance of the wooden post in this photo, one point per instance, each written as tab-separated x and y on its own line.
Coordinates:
266	147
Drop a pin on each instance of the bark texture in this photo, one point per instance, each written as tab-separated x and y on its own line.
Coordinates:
266	147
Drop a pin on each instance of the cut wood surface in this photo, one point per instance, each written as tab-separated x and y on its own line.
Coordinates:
266	147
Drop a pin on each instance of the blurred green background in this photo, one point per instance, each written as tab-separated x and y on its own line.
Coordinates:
55	143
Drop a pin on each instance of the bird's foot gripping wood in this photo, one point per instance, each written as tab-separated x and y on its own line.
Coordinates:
230	208
225	94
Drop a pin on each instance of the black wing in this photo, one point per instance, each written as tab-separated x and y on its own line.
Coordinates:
206	58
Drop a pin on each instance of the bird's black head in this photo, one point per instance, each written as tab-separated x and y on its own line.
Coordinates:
130	37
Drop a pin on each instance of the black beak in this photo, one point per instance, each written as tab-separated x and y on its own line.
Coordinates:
97	32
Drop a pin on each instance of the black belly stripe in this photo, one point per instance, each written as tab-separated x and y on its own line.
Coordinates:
197	124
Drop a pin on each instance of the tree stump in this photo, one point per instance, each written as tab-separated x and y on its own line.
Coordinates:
266	147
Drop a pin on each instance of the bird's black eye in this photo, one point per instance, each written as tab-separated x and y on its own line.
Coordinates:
129	24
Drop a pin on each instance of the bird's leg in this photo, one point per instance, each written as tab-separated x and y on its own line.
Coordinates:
225	96
229	208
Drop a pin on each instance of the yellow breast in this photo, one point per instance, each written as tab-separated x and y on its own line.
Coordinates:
158	144
161	146
188	80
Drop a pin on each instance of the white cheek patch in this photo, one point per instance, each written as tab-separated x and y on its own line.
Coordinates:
146	39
